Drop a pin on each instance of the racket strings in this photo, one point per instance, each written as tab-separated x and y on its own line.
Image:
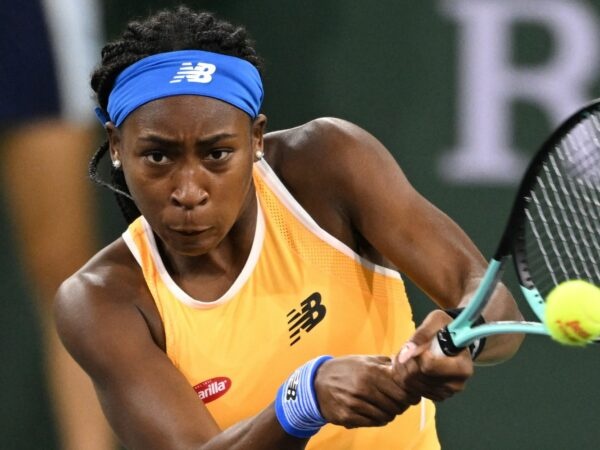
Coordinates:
562	230
589	225
580	229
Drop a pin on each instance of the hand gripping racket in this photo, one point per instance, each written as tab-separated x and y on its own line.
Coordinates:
552	235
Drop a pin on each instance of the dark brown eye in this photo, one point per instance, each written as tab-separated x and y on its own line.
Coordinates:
156	157
219	154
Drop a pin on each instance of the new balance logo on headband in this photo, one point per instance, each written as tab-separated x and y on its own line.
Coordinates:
201	73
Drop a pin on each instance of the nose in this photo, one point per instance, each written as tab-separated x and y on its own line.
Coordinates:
188	192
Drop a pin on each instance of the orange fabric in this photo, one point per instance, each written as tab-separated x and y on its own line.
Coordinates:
247	341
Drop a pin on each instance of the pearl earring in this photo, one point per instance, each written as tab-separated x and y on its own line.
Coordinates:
259	155
116	163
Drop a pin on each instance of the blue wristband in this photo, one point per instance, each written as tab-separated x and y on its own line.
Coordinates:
296	403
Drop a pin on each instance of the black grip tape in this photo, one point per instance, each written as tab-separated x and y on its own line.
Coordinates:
446	344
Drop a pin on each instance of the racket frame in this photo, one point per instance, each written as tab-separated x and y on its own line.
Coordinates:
460	332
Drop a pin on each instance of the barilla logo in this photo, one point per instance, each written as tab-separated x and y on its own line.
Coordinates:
212	389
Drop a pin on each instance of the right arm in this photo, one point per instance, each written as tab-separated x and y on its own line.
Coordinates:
150	404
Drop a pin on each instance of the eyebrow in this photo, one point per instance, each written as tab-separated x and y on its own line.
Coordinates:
208	140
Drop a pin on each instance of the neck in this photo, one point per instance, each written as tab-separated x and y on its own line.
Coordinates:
208	276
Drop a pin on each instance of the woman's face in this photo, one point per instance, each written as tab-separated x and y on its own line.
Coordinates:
188	162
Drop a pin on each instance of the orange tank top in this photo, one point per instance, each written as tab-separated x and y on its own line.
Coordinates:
302	293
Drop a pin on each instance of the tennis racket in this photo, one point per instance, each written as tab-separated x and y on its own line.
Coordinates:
552	235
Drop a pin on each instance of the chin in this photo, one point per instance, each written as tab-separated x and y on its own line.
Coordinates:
186	245
190	249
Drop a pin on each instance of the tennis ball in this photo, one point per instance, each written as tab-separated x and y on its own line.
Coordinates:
573	312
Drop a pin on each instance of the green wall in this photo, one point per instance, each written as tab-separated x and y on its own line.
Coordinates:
400	69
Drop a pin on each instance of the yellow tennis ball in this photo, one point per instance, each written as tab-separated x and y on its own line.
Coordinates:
573	312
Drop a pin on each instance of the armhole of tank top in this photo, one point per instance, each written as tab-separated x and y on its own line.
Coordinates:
291	204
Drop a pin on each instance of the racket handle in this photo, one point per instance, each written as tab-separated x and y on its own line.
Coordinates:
435	348
444	345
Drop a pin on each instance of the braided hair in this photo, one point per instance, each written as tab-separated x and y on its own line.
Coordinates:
166	31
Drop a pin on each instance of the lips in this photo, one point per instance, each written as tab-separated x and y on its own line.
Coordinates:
187	231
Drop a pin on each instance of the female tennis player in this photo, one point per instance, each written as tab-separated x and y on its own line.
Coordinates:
255	300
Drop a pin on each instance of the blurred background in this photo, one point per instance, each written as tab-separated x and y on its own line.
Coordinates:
462	92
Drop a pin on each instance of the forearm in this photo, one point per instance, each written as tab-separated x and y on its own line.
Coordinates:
261	432
498	348
295	412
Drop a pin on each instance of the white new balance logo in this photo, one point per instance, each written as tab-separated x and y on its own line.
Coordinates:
201	73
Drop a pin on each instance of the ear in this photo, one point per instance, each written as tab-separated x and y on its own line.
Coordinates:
114	142
258	130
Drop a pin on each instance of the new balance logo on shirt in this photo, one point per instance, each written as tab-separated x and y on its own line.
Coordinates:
311	313
200	73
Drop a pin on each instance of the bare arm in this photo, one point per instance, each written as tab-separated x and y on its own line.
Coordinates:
362	180
149	403
147	400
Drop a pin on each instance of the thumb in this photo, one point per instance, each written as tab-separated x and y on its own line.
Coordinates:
407	352
421	338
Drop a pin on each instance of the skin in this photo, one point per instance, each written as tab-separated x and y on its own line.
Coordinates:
187	161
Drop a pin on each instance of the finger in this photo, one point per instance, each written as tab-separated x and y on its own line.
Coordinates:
434	321
430	382
401	399
424	336
396	392
407	352
385	393
434	390
361	414
393	399
353	388
430	364
384	360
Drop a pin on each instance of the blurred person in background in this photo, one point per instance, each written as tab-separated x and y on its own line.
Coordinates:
47	51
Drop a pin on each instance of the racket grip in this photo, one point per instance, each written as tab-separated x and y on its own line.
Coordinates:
444	344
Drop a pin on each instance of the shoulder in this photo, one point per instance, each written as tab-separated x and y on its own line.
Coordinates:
105	291
324	164
329	152
109	272
317	137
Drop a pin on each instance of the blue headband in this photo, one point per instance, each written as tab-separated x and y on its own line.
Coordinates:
185	72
